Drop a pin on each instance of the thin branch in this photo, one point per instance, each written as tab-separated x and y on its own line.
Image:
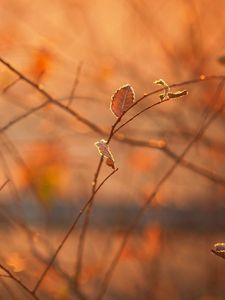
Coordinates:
82	210
75	84
20	283
9	291
81	242
10	85
82	119
166	176
51	99
23	116
195	168
4	184
141	112
92	126
151	144
139	143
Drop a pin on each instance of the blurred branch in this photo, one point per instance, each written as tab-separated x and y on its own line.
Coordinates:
85	121
93	126
97	129
139	143
23	116
4	184
51	99
75	84
166	176
81	242
10	85
9	291
20	283
171	154
82	210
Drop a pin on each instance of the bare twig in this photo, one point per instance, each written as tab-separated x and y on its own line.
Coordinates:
20	283
10	85
85	121
95	128
9	291
75	84
51	99
82	210
23	116
166	176
171	154
81	243
4	184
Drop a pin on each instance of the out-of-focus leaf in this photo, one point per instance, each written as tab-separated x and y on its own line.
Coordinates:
42	63
149	249
46	172
122	100
140	160
16	261
221	60
103	149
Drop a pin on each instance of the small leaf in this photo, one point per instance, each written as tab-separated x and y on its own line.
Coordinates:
161	82
122	100
219	249
177	94
163	96
167	94
103	149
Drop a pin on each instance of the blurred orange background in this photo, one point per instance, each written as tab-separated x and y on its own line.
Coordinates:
50	158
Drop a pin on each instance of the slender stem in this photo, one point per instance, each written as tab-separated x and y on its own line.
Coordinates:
166	176
82	210
75	84
4	184
20	283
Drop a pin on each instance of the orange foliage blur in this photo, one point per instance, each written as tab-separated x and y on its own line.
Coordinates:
45	171
150	247
42	64
142	160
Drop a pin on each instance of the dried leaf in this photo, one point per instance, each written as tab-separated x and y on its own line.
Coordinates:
103	149
219	249
178	94
122	100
